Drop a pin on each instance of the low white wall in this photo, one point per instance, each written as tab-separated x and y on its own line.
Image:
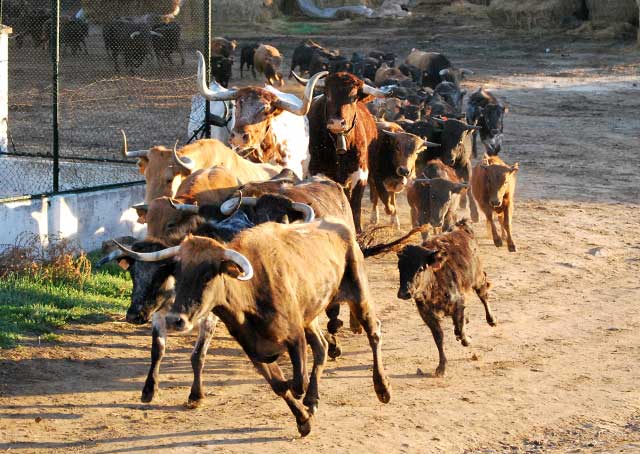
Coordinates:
89	218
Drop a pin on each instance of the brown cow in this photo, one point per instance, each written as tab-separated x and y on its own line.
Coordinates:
494	184
270	299
390	166
434	197
269	125
437	275
342	134
267	60
386	72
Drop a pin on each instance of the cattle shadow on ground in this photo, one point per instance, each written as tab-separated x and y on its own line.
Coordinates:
39	415
156	447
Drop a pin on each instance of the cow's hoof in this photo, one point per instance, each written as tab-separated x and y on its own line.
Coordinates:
465	341
334	325
492	321
497	242
305	428
148	394
512	248
439	373
312	407
384	393
192	404
334	351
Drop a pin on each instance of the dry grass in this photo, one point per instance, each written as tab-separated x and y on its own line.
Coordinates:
532	14
59	261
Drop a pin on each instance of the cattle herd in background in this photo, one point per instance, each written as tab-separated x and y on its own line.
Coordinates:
259	226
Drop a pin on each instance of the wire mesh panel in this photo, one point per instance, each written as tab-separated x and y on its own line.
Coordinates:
122	66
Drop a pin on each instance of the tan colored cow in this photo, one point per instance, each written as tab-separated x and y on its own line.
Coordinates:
267	60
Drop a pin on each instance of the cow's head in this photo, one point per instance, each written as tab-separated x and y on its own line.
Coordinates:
255	109
153	280
452	134
455	75
405	148
204	264
342	92
452	94
413	262
491	120
270	208
437	196
162	173
498	180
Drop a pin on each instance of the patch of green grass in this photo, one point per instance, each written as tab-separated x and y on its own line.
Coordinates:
302	28
33	306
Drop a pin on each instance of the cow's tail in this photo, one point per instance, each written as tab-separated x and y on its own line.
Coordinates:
370	251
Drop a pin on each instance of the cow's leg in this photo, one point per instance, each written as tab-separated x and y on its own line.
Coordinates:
392	210
483	293
158	346
319	348
474	145
298	355
207	328
274	376
373	196
356	203
508	215
473	207
459	323
438	336
488	212
363	310
333	325
253	71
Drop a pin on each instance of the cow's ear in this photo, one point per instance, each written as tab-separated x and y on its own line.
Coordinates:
438	259
124	263
142	164
459	187
231	268
365	98
515	168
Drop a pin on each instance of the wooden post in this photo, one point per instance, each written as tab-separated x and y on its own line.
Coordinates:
4	86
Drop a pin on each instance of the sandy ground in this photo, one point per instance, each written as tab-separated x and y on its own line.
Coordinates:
558	374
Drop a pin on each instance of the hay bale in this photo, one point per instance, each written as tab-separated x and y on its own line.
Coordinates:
613	11
532	14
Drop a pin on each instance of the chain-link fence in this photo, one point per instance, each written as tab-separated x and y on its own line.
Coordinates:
131	68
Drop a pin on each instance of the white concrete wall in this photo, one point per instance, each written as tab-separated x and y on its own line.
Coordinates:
4	77
88	218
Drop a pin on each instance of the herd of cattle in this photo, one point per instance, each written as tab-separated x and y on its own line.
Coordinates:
258	227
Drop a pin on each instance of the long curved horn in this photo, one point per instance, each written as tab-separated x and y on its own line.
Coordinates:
306	99
186	207
113	255
149	256
306	210
432	144
438	120
228	95
131	154
184	162
444	72
422	180
377	92
231	206
241	261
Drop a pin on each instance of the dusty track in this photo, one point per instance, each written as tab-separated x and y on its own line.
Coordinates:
558	374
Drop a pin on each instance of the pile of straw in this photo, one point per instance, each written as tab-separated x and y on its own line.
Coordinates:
613	11
532	14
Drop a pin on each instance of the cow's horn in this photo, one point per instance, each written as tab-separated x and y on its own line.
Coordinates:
184	162
432	144
156	34
149	256
134	34
186	207
131	154
377	92
444	72
306	210
141	207
113	255
422	180
231	206
228	95
306	99
438	120
466	72
241	261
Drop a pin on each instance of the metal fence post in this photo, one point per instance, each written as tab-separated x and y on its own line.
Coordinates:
55	64
207	57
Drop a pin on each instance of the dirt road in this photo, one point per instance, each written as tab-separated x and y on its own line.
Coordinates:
558	374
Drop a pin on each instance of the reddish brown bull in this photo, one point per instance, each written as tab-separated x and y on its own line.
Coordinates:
342	134
267	60
494	184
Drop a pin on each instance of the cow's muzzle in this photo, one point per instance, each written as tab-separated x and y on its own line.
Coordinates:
404	294
178	323
137	317
402	172
495	203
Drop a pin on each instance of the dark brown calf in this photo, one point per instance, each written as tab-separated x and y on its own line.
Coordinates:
494	184
438	275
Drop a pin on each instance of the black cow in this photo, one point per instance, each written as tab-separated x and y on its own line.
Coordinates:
73	33
485	110
303	54
436	68
221	69
452	95
131	40
246	57
166	41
